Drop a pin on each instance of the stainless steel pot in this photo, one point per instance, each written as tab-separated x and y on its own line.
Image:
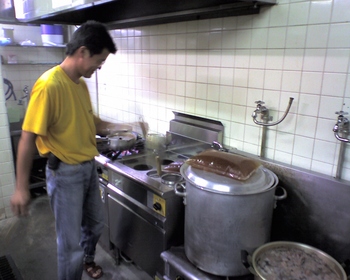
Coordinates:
221	219
120	141
268	262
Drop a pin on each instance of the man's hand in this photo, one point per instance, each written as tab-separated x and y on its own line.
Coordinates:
20	202
26	149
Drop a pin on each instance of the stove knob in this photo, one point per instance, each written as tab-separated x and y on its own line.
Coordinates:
157	206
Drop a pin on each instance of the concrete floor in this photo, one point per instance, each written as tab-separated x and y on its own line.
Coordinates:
31	242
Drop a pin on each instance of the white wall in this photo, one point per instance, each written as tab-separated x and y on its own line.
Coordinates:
7	178
218	68
19	75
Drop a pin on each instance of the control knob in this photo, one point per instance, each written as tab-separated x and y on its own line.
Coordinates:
157	206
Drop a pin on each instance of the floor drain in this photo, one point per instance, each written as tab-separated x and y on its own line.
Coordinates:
8	269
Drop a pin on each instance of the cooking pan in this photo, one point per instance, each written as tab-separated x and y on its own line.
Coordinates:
279	260
120	141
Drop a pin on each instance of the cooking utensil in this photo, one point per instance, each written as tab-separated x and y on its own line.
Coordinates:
315	264
119	141
159	167
144	127
245	217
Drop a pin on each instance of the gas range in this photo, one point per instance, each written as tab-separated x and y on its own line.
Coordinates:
140	163
139	205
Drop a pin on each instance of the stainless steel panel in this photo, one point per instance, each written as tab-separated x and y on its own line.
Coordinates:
135	236
129	13
316	211
198	128
104	239
177	266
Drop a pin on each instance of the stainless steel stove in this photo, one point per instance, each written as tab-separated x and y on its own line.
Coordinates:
144	215
178	267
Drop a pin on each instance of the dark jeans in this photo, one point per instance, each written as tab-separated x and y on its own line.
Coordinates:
76	203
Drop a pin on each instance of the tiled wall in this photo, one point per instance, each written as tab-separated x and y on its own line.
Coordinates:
218	68
20	75
6	162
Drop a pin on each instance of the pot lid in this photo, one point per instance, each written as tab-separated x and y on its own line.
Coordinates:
260	180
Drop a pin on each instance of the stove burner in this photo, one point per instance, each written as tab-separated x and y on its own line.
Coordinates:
114	155
153	174
143	167
130	161
166	161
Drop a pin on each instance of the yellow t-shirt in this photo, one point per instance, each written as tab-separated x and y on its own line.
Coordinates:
60	113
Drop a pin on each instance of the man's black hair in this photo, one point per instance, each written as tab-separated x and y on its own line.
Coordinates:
94	36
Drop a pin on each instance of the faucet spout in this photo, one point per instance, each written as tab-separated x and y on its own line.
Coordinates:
265	114
24	99
341	128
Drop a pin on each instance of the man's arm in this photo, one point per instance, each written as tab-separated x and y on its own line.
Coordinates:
26	150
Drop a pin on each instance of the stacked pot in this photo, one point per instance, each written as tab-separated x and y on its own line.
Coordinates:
225	214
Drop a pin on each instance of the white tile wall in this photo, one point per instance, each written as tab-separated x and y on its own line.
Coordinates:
218	68
6	160
19	75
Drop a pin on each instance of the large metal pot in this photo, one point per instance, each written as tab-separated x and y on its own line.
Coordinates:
224	216
278	260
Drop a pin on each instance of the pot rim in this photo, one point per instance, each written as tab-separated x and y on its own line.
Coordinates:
211	182
334	264
171	175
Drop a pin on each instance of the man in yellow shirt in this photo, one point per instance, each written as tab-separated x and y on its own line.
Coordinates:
60	123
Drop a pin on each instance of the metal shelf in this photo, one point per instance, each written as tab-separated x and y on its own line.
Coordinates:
31	63
34	46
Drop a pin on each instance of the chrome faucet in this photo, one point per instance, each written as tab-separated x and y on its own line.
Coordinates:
24	99
264	113
265	117
218	146
341	128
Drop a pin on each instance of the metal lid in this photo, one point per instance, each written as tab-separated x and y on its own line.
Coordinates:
260	180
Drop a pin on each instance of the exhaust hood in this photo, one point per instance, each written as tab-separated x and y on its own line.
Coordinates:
131	13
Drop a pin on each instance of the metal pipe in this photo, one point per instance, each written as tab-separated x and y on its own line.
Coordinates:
342	128
264	112
277	122
343	140
263	141
340	160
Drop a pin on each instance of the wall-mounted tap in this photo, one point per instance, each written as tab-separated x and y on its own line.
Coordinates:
218	146
265	117
341	128
264	113
24	98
